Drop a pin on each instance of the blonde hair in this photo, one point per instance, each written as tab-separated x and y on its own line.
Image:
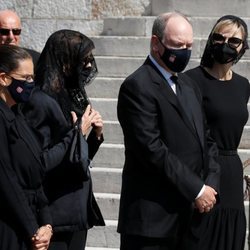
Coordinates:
227	23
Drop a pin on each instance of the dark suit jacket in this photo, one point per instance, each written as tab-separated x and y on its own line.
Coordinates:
167	159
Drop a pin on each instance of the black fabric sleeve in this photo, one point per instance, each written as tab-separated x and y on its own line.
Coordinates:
10	189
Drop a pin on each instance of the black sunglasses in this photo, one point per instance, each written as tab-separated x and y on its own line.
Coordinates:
6	32
233	42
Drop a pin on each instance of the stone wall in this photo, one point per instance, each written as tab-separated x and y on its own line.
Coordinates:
40	18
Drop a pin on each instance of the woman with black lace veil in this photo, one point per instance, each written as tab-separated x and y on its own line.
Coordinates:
65	67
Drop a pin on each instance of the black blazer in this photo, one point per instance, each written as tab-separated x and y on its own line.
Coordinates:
167	159
23	206
71	200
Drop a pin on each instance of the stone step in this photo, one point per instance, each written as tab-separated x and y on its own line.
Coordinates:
104	87
104	237
142	26
135	46
247	211
201	8
101	248
123	66
108	109
113	134
106	106
112	156
99	237
248	121
109	205
245	139
108	179
121	46
109	156
121	26
110	66
96	233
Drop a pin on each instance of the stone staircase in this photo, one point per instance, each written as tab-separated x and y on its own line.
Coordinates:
120	49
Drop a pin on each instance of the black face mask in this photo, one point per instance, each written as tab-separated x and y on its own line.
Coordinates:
20	90
175	59
87	75
76	86
223	54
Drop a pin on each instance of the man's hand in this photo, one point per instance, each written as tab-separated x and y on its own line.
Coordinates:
207	200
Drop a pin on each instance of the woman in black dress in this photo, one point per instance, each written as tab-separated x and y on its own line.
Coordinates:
65	67
225	97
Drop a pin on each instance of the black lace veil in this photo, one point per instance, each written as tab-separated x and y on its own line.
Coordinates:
62	70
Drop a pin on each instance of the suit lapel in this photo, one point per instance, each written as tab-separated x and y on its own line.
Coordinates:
158	78
170	96
194	107
195	125
26	135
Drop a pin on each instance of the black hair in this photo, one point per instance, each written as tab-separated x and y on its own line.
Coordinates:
10	56
64	51
207	59
60	70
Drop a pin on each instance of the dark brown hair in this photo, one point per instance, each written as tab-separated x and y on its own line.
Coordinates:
10	56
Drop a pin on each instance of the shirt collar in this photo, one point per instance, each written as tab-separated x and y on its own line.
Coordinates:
165	73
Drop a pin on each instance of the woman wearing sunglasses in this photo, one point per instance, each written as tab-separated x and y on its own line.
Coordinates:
66	66
24	216
225	97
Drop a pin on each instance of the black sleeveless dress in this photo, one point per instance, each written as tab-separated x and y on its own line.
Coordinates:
225	106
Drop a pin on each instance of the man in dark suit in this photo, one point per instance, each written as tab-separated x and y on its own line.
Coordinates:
169	159
10	31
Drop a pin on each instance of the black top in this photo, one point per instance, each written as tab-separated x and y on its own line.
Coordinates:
23	166
225	106
21	174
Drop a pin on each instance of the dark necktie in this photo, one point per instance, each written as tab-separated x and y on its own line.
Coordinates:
183	101
177	86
